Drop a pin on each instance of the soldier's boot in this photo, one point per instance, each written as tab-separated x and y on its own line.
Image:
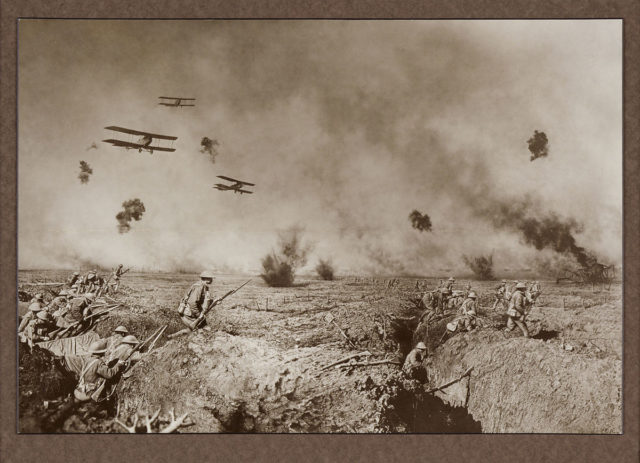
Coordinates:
510	324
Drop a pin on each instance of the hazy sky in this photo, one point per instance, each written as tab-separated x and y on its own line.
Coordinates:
345	127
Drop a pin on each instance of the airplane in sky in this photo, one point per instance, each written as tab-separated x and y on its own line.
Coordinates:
236	187
144	143
177	101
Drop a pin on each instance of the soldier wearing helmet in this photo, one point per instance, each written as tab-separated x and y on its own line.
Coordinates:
116	338
58	303
117	273
517	310
501	290
38	328
194	303
413	367
79	308
469	311
36	306
449	284
124	349
95	373
73	279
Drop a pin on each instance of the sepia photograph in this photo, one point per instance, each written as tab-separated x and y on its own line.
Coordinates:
320	226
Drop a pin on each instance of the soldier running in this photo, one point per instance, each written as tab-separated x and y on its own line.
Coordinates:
517	310
501	290
117	273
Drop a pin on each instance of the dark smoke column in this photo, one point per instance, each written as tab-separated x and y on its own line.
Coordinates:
538	145
85	172
420	221
132	210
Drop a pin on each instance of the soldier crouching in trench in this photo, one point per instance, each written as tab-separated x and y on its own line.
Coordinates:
194	305
413	367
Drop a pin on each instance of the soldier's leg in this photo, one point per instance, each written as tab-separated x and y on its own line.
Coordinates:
510	324
523	327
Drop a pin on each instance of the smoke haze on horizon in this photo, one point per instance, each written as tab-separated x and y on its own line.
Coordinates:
345	127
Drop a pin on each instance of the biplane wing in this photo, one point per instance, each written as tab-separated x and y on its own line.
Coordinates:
245	191
127	144
137	132
176	98
178	104
236	181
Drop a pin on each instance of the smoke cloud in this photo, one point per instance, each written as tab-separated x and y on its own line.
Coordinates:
85	172
538	145
132	210
209	146
344	125
481	266
420	221
279	267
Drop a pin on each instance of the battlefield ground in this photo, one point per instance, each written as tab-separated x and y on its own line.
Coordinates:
264	364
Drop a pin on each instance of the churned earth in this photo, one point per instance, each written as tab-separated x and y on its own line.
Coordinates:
264	364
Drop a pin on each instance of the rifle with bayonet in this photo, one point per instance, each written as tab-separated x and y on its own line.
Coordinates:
216	302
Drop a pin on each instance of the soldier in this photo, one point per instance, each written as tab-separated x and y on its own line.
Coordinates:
469	310
193	305
117	337
123	350
467	289
117	273
517	310
58	302
38	328
79	309
35	307
501	289
449	284
413	363
95	373
73	279
535	290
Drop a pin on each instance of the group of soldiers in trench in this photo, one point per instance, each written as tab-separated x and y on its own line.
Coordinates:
71	308
517	301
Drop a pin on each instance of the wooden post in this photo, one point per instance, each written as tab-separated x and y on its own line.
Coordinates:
563	302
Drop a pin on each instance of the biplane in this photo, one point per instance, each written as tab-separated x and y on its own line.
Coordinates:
236	187
143	143
177	101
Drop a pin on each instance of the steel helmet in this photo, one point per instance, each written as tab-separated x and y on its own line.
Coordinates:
452	279
98	347
504	281
206	275
44	315
76	273
472	295
39	297
521	286
121	329
421	346
131	339
34	307
91	276
90	296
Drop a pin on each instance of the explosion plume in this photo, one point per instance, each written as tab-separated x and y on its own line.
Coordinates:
325	269
538	145
85	172
420	221
132	210
209	146
481	266
279	267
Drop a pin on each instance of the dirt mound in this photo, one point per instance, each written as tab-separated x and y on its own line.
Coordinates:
517	384
41	381
237	384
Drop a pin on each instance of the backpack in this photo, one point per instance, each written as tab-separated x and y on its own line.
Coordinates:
191	299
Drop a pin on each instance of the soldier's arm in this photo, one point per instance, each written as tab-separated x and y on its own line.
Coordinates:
106	372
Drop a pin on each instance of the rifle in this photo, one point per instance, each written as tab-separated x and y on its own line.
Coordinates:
59	332
216	302
103	287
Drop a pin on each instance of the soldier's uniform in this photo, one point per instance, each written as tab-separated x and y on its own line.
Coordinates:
38	329
35	307
517	310
117	273
117	337
413	362
73	279
501	290
95	373
195	302
58	303
123	350
469	311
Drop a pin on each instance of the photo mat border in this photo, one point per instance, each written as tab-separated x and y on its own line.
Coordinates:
314	447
